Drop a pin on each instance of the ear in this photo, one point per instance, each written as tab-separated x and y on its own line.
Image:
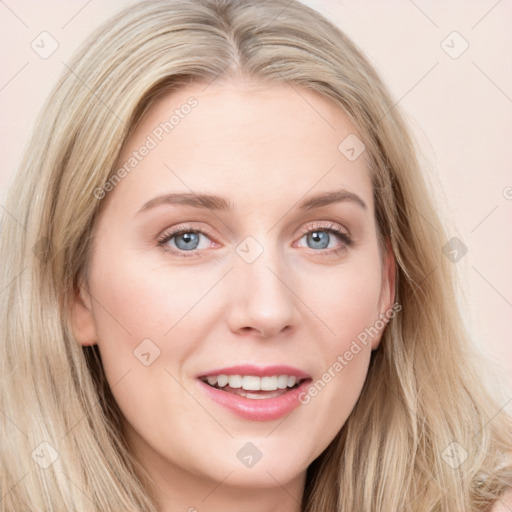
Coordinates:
387	294
82	319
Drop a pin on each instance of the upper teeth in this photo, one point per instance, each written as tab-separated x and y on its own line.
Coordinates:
253	383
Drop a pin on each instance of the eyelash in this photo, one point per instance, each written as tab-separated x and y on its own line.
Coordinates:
328	228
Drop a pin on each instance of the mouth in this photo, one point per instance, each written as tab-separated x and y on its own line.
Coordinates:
254	393
252	386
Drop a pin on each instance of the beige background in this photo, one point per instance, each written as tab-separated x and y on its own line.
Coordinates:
460	109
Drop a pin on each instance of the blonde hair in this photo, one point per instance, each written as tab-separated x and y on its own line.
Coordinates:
422	393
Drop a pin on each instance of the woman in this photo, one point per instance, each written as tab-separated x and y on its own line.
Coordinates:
226	293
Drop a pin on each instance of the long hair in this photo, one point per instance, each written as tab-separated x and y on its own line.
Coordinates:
423	405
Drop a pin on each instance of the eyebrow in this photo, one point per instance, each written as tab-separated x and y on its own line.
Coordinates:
216	202
208	201
327	198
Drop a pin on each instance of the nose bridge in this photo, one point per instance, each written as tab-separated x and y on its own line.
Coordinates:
263	301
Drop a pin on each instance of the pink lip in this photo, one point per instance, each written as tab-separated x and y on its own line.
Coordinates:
265	409
258	371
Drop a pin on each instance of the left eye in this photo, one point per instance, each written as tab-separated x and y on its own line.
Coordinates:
321	238
186	240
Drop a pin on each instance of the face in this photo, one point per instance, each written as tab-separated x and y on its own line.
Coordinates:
234	270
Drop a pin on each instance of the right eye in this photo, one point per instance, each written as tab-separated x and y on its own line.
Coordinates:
185	240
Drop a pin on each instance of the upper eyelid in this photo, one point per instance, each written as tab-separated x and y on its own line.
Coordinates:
328	226
171	232
191	227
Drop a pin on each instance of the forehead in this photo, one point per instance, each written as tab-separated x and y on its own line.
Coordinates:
246	141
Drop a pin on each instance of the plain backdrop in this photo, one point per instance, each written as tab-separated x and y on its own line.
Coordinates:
447	65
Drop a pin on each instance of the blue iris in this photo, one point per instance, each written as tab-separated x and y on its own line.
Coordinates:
187	241
318	239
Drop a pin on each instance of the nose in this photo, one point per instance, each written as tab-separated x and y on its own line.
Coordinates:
263	303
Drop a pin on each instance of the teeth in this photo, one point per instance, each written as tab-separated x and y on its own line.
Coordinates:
282	381
222	380
250	383
268	383
253	383
235	381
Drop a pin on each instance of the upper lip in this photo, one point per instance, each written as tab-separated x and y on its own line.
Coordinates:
258	371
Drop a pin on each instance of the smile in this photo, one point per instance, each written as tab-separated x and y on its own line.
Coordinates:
243	385
255	393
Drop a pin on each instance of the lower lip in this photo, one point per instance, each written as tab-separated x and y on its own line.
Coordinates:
262	409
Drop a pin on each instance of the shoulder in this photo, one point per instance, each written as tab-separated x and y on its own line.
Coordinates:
504	504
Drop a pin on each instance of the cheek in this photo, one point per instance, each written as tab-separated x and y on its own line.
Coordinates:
135	300
148	327
347	301
141	316
346	297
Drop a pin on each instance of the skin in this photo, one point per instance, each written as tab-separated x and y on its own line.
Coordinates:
264	148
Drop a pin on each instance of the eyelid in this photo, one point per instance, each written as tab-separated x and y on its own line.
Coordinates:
183	228
325	226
